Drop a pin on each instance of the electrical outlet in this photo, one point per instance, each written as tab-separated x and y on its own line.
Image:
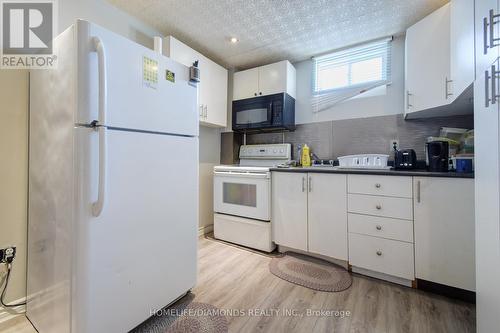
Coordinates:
7	255
394	145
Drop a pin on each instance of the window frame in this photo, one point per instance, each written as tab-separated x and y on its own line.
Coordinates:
384	72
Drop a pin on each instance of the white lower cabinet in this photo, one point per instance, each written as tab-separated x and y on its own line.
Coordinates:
381	225
327	215
382	255
289	209
403	227
309	212
444	231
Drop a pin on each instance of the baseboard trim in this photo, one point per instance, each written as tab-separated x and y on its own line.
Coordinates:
205	230
7	314
339	262
444	290
382	276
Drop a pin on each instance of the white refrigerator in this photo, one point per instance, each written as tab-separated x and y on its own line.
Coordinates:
113	184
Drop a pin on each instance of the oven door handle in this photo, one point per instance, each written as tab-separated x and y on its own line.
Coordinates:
242	174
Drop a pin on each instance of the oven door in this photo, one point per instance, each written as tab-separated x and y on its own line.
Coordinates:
243	194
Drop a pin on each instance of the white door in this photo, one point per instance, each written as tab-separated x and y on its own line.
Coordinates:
242	194
327	211
444	231
462	46
428	61
272	78
289	209
246	84
138	94
487	203
141	252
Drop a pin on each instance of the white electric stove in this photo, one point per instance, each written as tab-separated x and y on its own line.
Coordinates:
242	196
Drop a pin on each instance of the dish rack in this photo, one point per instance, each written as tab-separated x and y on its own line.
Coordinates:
364	161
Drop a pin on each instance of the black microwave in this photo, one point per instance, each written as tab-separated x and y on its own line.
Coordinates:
264	114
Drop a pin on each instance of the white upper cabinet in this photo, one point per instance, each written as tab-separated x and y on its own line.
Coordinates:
462	46
428	61
439	66
265	80
487	45
212	89
246	84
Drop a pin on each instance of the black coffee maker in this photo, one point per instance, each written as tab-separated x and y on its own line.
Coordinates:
437	156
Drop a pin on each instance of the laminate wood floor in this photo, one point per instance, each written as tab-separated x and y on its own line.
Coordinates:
238	280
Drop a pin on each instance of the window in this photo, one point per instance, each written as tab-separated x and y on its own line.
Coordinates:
349	72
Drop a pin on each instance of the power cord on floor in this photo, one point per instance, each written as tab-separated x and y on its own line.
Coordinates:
9	268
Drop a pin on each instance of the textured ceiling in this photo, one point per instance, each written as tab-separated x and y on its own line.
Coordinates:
273	30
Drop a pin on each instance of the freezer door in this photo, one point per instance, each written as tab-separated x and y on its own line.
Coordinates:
139	254
144	90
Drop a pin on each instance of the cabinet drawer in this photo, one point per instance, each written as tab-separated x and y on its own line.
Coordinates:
382	255
399	208
391	186
384	227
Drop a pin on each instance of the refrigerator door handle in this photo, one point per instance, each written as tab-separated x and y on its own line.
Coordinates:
101	194
103	82
99	204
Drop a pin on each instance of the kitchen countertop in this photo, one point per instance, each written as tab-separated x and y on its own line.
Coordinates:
385	172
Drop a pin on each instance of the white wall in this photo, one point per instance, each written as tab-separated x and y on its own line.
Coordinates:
390	101
14	175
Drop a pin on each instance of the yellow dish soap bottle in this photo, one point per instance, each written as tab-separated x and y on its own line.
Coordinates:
306	156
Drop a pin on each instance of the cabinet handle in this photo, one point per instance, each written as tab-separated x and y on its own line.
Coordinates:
379	207
378	185
201	110
303	184
260	93
418	191
379	253
408	105
485	35
486	89
378	227
494	76
255	94
492	29
310	184
447	93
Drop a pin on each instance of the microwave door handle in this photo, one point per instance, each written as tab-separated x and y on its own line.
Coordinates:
271	113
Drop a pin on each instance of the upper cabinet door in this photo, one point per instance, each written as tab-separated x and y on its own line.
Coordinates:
462	46
246	84
487	47
428	62
212	88
272	78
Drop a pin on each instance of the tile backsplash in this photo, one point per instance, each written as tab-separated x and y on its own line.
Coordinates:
331	139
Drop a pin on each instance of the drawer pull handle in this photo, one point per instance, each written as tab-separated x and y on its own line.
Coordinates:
378	207
379	253
378	185
379	227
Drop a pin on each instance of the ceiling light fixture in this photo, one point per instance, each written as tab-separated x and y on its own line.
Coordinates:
234	40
